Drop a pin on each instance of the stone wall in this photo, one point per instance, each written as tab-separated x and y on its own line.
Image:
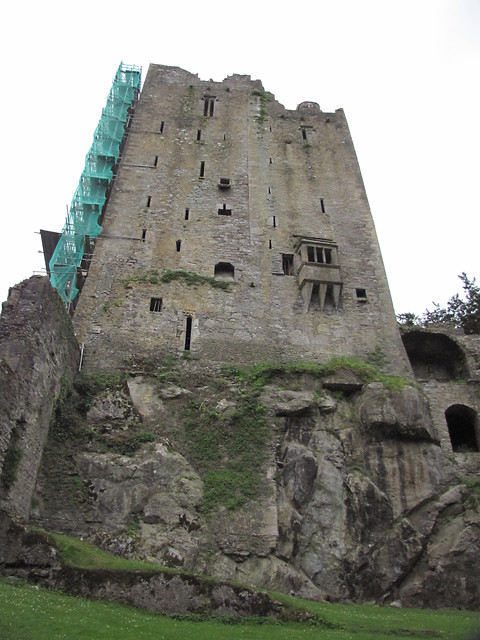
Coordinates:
292	173
38	351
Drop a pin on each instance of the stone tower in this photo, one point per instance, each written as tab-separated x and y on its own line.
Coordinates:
237	230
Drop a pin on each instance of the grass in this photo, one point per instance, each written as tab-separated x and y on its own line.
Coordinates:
258	375
193	279
32	613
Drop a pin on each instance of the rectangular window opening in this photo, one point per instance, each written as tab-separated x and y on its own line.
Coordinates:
269	244
144	234
322	205
156	304
361	294
304	133
199	134
287	264
205	107
274	221
224	211
311	254
162	125
155	162
269	189
187	214
271	162
179	245
212	104
202	169
149	201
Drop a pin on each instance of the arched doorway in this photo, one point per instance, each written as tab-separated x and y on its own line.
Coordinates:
462	427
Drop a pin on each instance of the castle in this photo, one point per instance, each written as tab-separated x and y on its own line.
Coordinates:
213	228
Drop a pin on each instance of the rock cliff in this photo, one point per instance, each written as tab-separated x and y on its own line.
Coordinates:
321	481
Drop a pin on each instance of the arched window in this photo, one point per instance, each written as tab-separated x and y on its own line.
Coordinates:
462	427
224	271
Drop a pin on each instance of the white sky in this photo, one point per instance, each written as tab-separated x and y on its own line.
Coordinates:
406	74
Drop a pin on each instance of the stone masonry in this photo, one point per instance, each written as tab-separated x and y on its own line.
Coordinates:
220	180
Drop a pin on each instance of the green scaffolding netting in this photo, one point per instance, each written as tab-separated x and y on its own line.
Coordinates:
90	195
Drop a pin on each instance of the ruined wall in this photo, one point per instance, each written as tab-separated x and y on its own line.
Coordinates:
37	351
292	173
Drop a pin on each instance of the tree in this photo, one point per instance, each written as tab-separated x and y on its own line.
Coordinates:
462	312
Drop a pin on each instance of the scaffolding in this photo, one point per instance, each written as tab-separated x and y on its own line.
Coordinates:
82	223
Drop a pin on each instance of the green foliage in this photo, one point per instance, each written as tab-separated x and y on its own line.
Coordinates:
462	312
33	613
150	277
228	451
193	279
258	375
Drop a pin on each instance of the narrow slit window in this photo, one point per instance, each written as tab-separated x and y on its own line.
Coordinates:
224	211
304	133
224	136
322	205
274	221
188	333
144	234
269	244
271	162
149	201
156	304
187	213
202	169
199	135
212	105
179	245
155	162
162	125
269	189
205	107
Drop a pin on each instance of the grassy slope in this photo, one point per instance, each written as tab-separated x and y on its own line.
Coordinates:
31	613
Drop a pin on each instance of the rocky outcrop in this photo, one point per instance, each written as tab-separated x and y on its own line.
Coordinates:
38	357
357	499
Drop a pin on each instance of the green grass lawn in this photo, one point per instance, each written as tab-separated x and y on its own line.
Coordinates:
31	613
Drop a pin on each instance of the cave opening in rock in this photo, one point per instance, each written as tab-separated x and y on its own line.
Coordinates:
434	356
462	427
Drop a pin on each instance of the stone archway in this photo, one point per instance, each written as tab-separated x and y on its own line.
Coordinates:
462	422
435	356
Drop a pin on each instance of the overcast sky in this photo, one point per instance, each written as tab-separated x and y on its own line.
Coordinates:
406	74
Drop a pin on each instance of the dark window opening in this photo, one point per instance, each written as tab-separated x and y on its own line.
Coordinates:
224	136
149	201
461	422
199	134
224	183
361	295
435	356
271	162
155	162
321	255
162	125
224	271
144	234
304	133
179	244
224	211
202	169
322	205
187	214
287	264
156	304
188	333
274	221
269	244
269	189
208	106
